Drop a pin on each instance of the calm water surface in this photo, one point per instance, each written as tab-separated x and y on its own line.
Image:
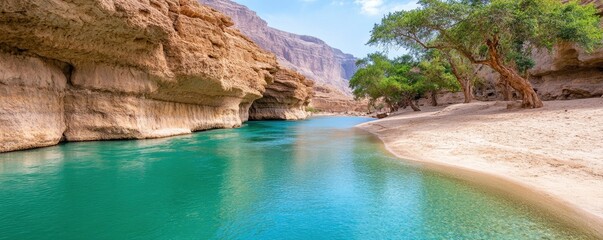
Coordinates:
313	179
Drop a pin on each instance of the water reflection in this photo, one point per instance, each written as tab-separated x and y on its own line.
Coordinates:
31	161
298	180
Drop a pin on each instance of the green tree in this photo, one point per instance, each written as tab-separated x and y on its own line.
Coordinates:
499	33
438	74
463	71
395	82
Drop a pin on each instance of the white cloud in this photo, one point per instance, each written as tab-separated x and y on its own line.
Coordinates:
380	7
370	7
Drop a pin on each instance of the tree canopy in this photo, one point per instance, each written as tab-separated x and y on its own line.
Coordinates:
497	33
398	82
395	82
437	72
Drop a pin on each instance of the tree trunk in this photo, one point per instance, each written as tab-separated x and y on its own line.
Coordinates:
465	83
434	98
392	106
413	106
370	105
530	98
505	89
467	91
520	84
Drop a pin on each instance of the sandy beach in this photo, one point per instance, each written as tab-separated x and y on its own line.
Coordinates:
552	156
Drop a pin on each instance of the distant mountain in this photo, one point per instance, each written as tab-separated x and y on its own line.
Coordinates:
308	55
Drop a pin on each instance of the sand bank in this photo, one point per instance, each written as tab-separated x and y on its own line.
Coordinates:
552	156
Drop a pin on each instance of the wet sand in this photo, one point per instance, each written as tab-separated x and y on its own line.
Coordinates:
552	156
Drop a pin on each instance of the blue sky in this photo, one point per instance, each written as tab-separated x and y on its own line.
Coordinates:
343	24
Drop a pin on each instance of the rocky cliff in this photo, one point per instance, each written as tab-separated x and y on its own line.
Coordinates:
566	72
286	98
327	99
308	55
104	69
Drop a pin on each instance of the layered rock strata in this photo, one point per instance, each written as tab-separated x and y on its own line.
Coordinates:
101	69
566	72
286	98
305	54
330	68
329	100
31	102
569	72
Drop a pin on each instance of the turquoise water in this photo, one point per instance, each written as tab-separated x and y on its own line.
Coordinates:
313	179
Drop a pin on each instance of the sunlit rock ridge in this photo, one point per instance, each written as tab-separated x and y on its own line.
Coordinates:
286	98
104	69
308	55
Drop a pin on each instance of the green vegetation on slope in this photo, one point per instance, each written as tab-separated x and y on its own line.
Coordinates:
500	34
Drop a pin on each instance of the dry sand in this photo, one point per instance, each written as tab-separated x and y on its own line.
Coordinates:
552	156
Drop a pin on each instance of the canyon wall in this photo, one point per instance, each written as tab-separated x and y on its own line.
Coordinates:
330	68
116	69
327	99
566	72
31	102
307	55
286	98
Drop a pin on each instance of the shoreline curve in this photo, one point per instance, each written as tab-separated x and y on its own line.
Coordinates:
567	212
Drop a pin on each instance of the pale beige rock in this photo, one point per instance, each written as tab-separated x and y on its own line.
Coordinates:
104	69
443	98
115	79
286	98
329	100
582	83
103	116
328	67
31	102
568	71
307	55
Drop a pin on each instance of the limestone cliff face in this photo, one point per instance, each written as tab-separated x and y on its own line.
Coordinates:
286	98
569	72
566	72
327	99
104	69
31	102
307	55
